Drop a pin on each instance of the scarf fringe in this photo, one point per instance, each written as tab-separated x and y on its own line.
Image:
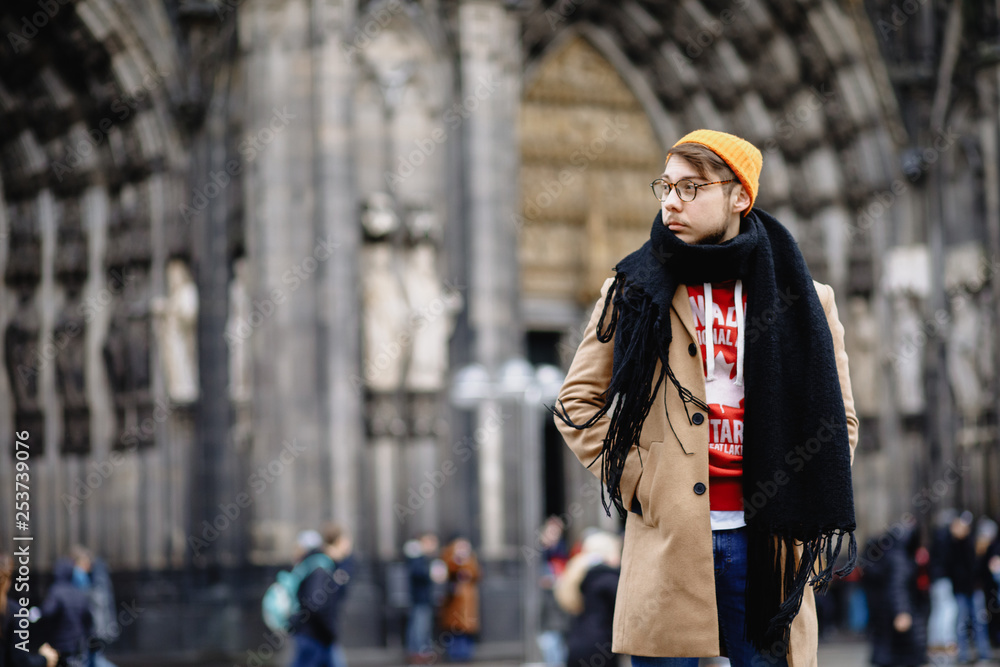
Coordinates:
631	390
775	589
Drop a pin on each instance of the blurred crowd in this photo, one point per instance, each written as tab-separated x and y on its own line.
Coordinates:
74	624
937	602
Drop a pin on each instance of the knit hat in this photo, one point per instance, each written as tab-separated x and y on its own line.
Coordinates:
741	156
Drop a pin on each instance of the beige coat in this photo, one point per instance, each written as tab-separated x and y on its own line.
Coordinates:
666	599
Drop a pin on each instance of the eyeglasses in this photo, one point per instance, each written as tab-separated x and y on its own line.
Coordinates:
687	189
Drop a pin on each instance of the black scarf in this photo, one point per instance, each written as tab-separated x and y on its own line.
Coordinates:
794	420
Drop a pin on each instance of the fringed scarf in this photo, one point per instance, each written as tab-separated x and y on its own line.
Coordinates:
795	428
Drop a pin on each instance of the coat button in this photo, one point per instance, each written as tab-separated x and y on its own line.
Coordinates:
699	488
697	418
692	350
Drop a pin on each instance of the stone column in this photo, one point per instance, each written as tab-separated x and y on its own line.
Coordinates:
490	95
336	219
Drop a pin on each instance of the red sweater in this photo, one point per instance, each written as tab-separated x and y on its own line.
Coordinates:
724	393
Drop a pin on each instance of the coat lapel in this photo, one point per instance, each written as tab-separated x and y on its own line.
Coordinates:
682	306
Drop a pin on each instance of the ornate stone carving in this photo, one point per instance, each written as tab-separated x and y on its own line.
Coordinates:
177	321
968	358
126	359
24	267
862	349
432	314
22	355
69	337
71	246
240	359
386	319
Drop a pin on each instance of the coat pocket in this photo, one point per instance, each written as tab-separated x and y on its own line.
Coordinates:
644	488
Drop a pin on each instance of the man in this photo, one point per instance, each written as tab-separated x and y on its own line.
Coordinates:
320	595
711	395
425	570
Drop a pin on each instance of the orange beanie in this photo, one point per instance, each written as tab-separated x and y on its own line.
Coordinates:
741	156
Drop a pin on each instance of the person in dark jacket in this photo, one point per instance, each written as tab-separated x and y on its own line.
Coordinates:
67	616
90	574
587	589
967	584
422	570
943	621
897	609
10	654
321	593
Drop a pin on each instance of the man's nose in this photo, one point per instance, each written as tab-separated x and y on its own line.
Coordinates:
672	201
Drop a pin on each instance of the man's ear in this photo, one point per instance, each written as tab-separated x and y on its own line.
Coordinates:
740	200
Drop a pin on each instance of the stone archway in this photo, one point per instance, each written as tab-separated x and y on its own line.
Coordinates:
90	158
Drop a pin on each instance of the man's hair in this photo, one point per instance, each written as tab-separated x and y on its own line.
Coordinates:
332	532
706	162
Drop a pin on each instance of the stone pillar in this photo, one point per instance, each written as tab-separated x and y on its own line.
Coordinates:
289	257
336	220
490	94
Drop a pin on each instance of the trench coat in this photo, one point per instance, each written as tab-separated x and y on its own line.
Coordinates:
460	611
666	602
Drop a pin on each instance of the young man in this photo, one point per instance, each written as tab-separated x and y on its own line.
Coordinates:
711	396
321	594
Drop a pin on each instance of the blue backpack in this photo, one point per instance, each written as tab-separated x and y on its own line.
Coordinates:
281	600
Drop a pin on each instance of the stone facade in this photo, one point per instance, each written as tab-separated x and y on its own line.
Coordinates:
245	244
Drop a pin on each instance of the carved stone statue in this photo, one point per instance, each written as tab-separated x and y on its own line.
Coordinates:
240	359
964	354
386	319
862	349
69	338
379	218
22	356
177	317
907	357
432	318
126	355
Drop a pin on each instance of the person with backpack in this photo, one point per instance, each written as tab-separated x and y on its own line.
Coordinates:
315	625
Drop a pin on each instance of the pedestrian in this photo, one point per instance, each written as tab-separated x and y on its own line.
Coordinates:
967	583
67	618
321	595
992	578
90	574
897	607
941	626
711	335
587	590
460	611
10	655
424	568
553	621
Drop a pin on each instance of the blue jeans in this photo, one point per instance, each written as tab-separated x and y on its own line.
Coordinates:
730	550
972	612
312	653
418	632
